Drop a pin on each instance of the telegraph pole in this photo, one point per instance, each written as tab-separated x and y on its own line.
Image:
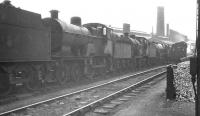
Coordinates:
197	113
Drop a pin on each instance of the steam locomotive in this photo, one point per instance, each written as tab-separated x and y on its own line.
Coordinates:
35	51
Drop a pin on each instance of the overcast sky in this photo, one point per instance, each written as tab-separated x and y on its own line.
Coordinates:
141	14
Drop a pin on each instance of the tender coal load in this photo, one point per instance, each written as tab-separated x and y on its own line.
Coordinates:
76	21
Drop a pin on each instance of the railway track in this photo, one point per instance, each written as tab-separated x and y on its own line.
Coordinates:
77	103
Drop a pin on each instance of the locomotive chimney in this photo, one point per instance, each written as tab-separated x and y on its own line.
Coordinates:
54	14
126	29
160	22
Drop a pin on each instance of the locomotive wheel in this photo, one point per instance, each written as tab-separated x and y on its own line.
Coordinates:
64	75
33	83
5	87
76	72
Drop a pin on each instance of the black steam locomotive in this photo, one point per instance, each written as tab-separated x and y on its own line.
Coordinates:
35	51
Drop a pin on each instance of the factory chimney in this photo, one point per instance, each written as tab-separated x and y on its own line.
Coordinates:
54	14
160	22
168	30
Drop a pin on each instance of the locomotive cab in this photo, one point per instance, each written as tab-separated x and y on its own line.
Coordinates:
96	29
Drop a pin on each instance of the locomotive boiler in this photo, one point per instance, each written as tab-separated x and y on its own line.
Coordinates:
66	39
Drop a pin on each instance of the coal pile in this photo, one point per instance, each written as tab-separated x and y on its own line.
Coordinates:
182	82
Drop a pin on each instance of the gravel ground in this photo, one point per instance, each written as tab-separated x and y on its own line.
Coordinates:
183	84
153	102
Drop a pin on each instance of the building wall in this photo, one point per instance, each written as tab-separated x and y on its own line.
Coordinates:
175	36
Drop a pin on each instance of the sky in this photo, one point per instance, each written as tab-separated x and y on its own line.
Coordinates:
140	14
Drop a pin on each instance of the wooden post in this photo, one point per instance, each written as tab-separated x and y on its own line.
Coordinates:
197	113
170	90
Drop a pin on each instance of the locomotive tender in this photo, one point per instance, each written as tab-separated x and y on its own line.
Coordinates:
35	51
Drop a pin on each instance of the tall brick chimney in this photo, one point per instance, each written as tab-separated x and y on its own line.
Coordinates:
160	22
